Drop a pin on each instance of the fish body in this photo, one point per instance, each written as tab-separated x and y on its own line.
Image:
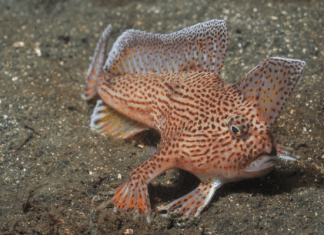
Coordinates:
217	131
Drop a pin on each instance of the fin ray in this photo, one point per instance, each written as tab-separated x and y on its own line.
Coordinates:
201	47
96	66
108	121
269	85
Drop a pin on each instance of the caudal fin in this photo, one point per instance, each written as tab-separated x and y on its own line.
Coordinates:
96	66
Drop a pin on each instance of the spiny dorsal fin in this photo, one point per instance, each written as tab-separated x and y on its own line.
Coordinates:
96	66
269	85
201	47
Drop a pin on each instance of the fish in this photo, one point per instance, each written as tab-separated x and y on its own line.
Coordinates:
217	131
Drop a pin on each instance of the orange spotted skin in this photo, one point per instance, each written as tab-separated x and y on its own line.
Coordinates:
217	131
192	118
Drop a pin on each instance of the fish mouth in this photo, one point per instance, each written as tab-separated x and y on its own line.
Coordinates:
262	163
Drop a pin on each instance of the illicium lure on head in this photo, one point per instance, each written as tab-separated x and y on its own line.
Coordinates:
217	131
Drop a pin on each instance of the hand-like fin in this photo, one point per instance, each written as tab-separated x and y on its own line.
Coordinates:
194	202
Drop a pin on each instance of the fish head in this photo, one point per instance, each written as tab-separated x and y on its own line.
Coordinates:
250	132
263	92
251	152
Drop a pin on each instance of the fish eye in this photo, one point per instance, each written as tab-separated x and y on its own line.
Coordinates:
235	130
237	126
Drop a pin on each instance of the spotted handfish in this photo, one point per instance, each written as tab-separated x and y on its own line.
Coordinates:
170	82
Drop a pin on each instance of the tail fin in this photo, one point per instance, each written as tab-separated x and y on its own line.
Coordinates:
96	66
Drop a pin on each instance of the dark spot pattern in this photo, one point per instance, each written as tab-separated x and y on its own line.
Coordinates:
217	131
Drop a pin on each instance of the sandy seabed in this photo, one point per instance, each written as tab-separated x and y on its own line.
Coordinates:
52	164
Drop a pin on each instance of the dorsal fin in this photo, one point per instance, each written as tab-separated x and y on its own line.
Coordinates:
201	47
269	85
96	66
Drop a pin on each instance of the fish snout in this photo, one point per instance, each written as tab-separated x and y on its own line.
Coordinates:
264	145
